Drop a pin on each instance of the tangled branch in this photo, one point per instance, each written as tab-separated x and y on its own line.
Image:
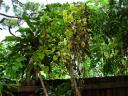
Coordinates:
10	16
9	28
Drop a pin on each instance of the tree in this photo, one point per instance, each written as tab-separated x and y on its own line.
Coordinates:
63	42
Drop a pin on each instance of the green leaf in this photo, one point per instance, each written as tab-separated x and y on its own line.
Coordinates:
55	57
12	38
10	22
1	65
65	16
27	20
68	33
21	29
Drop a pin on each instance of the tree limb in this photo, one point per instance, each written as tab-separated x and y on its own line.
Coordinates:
21	4
10	16
43	85
1	2
9	28
2	20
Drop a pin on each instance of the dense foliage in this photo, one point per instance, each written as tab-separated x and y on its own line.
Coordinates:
54	42
62	40
108	45
58	33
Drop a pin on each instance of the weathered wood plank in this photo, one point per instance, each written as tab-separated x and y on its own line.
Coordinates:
107	85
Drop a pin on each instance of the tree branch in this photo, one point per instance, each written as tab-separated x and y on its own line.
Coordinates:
10	16
43	85
9	28
1	2
2	20
21	4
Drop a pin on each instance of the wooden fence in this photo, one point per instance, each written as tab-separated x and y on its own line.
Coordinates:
106	86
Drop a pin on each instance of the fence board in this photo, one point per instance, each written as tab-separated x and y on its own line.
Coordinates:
108	86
